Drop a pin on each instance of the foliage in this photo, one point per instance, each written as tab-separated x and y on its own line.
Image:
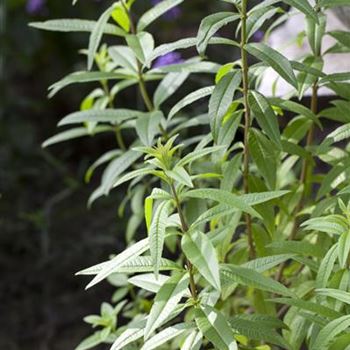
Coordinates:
247	242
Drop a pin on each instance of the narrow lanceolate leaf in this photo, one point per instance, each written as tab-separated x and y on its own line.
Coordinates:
344	249
157	233
75	25
193	341
197	154
215	328
149	282
96	35
189	99
251	278
155	12
140	264
262	197
113	116
83	77
221	100
166	301
166	335
308	306
210	25
339	134
73	134
333	3
121	259
341	36
304	7
168	86
265	116
326	267
328	333
264	156
332	224
335	294
133	332
275	60
223	197
201	253
268	262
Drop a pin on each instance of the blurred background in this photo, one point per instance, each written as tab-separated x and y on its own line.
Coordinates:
46	231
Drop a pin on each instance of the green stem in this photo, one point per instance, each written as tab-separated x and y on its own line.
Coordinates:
247	121
184	228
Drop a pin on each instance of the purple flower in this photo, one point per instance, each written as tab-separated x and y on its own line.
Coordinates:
35	6
258	36
167	59
172	14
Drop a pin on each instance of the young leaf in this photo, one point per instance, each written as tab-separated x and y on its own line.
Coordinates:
201	253
215	328
166	301
157	233
275	60
344	249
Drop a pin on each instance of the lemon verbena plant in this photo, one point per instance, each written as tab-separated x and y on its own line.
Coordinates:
239	233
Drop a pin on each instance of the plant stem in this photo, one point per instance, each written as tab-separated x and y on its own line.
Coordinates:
245	67
184	228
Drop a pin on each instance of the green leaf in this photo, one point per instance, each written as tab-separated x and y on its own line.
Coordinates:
329	333
201	253
96	35
215	328
262	197
304	7
168	86
275	60
197	154
123	56
147	127
339	134
210	25
315	33
75	25
267	262
337	294
113	116
157	11
83	77
90	342
333	3
341	36
119	260
296	247
180	175
73	134
157	233
257	17
251	278
221	100
121	16
265	116
223	197
308	306
264	156
148	281
166	335
142	45
333	224
189	99
133	332
193	341
166	301
344	249
326	267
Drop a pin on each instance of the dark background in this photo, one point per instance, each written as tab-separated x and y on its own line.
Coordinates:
46	231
